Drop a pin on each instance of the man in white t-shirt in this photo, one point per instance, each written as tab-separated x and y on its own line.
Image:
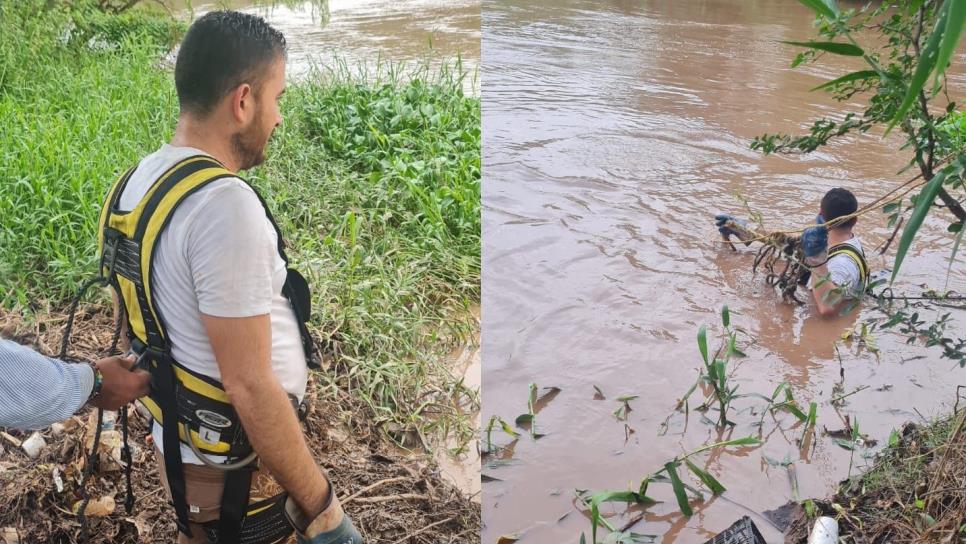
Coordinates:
218	275
833	252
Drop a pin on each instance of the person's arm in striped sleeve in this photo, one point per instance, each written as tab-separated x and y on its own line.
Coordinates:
37	391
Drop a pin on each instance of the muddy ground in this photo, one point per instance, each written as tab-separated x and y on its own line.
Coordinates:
393	498
915	492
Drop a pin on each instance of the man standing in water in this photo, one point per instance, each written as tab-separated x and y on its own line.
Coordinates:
212	308
838	270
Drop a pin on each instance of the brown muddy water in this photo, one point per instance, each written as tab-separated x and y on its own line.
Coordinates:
613	131
367	33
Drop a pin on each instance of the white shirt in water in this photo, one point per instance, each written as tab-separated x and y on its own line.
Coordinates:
844	271
217	256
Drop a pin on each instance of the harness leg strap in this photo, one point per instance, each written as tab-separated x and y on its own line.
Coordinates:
174	470
234	504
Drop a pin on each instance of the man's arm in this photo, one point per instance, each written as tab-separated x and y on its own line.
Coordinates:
823	294
37	391
242	347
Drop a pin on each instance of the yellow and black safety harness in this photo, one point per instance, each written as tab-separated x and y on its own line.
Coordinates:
856	255
190	407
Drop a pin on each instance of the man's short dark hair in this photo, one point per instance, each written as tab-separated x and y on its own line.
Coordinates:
837	203
222	50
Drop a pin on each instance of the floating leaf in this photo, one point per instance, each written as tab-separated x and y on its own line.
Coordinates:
678	486
524	419
847	444
706	478
598	394
508	429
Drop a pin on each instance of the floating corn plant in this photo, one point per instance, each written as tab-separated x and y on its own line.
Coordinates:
668	474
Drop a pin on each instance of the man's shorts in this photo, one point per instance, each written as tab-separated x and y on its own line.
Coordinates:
203	490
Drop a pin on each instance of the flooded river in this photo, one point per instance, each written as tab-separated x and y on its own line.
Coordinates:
613	131
370	32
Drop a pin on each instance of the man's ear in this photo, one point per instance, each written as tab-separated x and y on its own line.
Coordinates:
242	103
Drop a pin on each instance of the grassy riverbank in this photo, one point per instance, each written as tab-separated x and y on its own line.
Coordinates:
375	179
912	493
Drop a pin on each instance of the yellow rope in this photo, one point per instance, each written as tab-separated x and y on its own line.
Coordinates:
832	223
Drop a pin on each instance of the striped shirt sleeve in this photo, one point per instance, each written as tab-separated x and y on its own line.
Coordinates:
37	391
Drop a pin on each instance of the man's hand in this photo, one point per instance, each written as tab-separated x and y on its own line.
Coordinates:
332	526
121	385
815	243
726	223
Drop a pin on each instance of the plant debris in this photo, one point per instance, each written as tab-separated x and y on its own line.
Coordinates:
390	497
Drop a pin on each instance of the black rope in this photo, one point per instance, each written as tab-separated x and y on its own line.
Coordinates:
92	459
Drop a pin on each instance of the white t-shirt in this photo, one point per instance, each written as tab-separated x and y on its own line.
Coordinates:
218	255
844	271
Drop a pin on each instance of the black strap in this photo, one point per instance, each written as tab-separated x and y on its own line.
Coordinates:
234	504
173	467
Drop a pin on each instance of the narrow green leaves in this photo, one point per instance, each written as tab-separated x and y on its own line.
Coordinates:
923	203
955	21
703	343
847	78
706	478
678	486
820	7
927	62
837	48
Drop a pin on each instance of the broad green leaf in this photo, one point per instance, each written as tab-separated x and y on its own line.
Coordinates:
678	486
703	343
725	315
706	478
524	419
894	438
819	7
955	21
927	61
923	203
837	48
614	496
854	76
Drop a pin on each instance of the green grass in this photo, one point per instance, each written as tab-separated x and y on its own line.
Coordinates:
374	177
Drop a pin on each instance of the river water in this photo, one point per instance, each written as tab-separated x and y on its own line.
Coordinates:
613	131
369	33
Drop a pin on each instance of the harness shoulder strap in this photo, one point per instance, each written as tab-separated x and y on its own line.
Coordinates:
856	255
